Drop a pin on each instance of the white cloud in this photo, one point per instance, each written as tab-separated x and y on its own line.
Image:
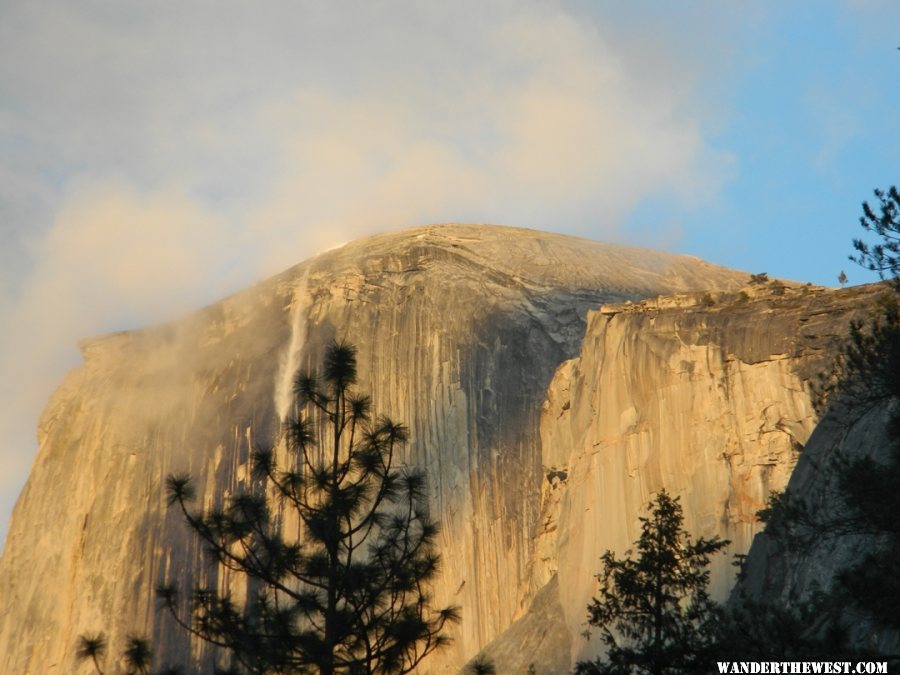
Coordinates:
546	131
112	258
184	152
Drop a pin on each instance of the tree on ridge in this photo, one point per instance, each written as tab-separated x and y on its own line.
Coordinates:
883	257
861	498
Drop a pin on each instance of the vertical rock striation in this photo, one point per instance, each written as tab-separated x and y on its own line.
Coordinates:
460	330
705	395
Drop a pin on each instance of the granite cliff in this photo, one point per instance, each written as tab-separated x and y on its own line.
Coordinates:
543	425
706	395
818	539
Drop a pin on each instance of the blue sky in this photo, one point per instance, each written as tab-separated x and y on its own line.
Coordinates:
814	133
155	157
806	112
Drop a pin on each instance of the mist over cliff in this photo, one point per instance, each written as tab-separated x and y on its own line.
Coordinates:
548	391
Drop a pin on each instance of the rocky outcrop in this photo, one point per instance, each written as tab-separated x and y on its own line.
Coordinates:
545	423
706	395
789	566
460	330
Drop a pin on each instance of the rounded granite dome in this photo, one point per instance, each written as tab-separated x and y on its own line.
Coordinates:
460	329
534	257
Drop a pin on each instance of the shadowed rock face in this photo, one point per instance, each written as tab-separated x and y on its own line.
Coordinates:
704	395
785	572
460	330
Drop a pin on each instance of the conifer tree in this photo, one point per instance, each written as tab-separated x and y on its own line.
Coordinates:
92	647
137	655
350	594
653	610
882	257
858	495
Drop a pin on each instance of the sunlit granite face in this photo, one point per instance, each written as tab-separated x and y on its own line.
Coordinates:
706	395
536	463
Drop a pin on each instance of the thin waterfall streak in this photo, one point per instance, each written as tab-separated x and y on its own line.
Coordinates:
290	358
